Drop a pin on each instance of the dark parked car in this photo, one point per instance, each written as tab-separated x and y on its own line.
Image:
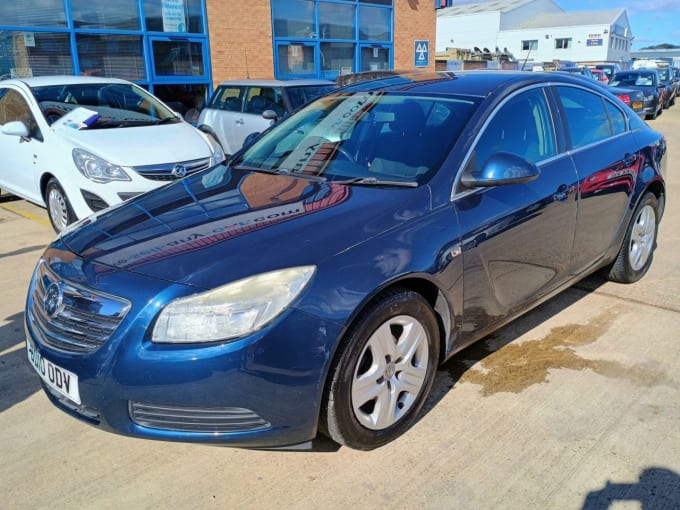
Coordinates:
668	79
317	280
647	80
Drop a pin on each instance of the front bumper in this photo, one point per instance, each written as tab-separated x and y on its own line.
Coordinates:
260	391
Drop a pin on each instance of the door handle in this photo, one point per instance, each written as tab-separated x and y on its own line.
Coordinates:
629	159
239	121
561	194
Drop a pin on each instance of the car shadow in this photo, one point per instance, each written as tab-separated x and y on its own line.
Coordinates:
17	379
656	488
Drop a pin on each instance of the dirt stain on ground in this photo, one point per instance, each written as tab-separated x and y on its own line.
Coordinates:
513	368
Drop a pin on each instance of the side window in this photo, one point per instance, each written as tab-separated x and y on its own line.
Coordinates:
522	126
260	99
13	107
227	98
617	120
586	116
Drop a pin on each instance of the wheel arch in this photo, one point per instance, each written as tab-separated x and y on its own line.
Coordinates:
44	179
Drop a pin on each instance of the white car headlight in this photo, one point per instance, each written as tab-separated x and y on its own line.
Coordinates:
218	155
233	310
97	169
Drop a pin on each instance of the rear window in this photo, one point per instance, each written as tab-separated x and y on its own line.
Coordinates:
633	79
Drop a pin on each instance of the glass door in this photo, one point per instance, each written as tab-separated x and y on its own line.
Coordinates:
375	57
297	59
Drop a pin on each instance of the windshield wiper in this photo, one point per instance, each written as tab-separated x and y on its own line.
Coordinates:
373	181
280	171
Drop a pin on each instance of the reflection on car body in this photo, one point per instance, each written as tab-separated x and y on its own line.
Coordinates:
316	281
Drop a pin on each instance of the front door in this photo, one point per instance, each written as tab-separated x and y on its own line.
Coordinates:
516	239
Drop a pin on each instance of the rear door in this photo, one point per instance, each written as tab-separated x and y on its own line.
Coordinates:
607	160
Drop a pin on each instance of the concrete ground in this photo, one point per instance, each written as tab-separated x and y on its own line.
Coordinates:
574	406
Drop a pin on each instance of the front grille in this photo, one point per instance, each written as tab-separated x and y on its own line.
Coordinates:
80	320
170	171
196	419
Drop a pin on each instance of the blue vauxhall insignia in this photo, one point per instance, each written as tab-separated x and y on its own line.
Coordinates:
316	280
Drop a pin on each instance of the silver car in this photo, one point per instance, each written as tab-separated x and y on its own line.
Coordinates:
236	107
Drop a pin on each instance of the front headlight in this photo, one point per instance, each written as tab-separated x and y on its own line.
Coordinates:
233	310
97	169
218	155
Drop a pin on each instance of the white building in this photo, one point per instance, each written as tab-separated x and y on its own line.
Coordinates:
536	31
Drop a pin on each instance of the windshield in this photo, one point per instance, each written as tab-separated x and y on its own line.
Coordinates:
363	135
113	104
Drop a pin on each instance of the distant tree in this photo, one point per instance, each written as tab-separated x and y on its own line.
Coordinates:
664	46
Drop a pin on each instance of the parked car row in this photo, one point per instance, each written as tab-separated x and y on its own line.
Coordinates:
658	93
314	282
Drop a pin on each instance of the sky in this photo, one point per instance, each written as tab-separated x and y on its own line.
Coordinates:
652	22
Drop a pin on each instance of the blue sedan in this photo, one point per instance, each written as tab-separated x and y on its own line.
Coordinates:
315	281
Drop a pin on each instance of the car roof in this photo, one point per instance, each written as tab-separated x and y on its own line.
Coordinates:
276	83
470	83
41	81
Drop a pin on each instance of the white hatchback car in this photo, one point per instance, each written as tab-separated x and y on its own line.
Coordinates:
235	109
80	144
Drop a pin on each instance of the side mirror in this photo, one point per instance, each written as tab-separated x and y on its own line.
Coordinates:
270	115
501	169
15	128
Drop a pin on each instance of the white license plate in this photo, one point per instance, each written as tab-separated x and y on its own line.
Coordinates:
59	379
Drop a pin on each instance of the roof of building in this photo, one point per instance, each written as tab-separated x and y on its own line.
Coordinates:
573	19
482	7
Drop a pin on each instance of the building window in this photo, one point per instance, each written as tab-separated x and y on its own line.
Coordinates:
327	38
121	56
174	16
336	21
33	13
374	24
294	18
531	45
24	54
563	44
119	15
296	60
177	58
337	58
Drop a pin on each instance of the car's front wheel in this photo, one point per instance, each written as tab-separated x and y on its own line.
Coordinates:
383	373
58	207
637	250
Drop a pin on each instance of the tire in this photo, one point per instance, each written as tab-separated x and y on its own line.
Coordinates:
637	251
58	207
383	372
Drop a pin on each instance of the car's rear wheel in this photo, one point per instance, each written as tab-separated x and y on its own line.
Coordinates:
383	372
58	207
637	250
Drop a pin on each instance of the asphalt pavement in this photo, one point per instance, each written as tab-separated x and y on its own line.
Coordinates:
576	405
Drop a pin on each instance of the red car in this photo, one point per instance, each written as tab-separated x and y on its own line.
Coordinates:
599	74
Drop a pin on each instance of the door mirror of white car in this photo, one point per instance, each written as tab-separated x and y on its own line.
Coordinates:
270	115
15	128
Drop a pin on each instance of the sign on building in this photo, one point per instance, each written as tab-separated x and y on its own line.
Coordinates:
421	54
